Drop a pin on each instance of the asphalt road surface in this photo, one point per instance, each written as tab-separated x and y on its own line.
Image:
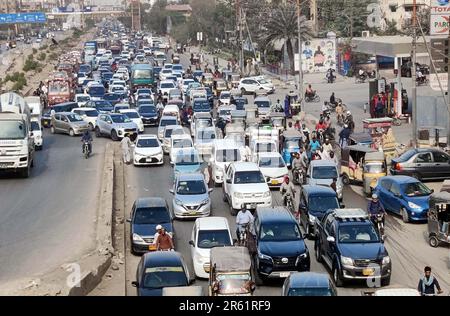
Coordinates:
48	219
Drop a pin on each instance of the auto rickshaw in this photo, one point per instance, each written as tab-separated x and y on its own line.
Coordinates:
219	85
278	120
230	272
439	219
362	139
233	80
380	129
374	167
207	79
294	103
352	163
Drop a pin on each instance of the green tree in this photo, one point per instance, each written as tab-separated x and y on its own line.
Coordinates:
156	19
281	24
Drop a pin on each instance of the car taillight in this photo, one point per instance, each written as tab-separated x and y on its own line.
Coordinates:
398	166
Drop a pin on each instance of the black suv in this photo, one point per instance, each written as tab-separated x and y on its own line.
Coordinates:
279	243
348	243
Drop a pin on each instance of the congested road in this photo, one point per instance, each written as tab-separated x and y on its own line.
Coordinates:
49	219
406	243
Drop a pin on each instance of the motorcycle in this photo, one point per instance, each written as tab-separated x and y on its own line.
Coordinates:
361	78
297	176
289	203
421	81
312	98
242	233
379	225
86	150
330	78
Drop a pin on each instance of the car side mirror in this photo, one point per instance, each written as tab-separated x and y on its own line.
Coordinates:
342	205
229	181
191	243
210	190
432	190
135	284
172	191
331	239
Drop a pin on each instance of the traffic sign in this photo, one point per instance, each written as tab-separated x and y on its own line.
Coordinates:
21	18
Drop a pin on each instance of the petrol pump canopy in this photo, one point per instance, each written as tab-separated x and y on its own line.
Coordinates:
390	46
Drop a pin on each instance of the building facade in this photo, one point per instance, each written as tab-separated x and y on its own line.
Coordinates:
401	10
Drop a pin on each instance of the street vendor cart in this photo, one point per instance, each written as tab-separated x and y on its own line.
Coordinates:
380	130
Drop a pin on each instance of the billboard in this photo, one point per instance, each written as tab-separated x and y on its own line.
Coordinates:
439	24
29	17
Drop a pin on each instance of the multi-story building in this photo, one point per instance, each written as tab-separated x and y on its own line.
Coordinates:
401	10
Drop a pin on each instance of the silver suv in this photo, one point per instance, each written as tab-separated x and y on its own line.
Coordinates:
115	126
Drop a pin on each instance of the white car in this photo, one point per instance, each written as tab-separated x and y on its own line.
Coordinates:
148	151
36	128
273	168
208	232
163	122
134	116
245	186
169	131
165	86
164	74
177	143
185	84
224	152
124	73
254	84
259	146
118	76
82	99
147	51
118	89
89	115
81	78
204	140
224	98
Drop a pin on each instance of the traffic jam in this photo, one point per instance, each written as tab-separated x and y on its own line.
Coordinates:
282	219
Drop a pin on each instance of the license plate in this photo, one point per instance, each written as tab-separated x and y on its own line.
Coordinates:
251	206
5	165
152	247
284	274
149	159
193	212
368	272
274	181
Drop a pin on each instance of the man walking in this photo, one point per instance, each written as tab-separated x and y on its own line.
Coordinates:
125	144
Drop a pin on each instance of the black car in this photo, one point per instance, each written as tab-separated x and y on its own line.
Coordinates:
102	106
422	163
161	269
315	201
149	115
348	243
279	243
146	214
308	284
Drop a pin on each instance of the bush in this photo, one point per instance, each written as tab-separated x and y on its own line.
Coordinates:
43	47
31	64
18	79
42	56
34	50
53	56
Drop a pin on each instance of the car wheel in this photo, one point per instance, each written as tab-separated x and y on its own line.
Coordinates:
404	215
26	172
386	281
233	211
225	198
243	91
52	130
318	253
337	277
97	132
434	242
345	179
71	132
114	136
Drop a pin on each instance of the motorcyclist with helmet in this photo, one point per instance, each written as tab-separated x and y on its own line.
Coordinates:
374	208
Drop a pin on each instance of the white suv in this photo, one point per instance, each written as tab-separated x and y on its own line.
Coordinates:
245	186
254	84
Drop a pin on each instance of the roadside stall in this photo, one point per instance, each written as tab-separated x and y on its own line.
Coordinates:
380	130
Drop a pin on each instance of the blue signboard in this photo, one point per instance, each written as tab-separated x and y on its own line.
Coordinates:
29	17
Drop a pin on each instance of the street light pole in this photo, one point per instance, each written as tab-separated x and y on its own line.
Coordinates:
300	70
413	77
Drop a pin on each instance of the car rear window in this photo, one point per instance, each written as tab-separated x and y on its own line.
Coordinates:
407	155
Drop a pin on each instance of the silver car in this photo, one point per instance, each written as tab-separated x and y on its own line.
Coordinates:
191	196
69	123
115	126
322	172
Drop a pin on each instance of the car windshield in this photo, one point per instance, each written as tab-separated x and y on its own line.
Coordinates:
167	122
83	98
415	189
271	162
151	215
147	143
132	115
374	167
224	112
228	155
183	159
233	283
321	204
74	118
191	187
291	144
147	109
203	123
225	95
248	177
206	135
357	233
159	277
96	91
213	238
313	291
324	172
144	91
407	155
265	147
35	126
280	232
120	119
91	113
262	104
182	143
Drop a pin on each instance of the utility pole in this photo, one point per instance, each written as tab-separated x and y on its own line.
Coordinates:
240	41
300	70
447	47
413	78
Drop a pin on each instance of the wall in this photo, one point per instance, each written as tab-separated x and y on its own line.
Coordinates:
318	55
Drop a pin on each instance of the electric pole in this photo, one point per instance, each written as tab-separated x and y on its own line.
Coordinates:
300	70
413	77
447	48
240	41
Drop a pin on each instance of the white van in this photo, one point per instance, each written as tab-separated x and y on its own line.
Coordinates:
224	152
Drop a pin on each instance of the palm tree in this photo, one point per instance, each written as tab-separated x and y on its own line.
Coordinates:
281	24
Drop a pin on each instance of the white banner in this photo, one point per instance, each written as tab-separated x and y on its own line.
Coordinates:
440	7
434	83
439	24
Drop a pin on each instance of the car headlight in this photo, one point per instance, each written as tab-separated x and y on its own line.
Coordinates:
178	202
137	238
312	219
413	205
386	260
263	256
266	194
346	261
204	202
238	195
